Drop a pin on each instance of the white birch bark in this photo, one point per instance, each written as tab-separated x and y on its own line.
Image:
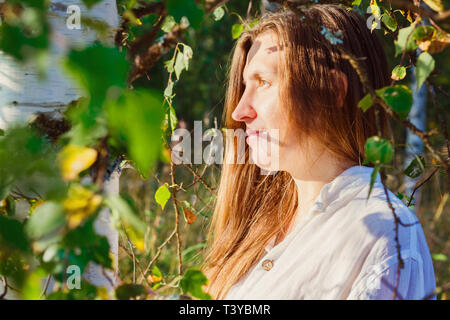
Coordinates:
23	94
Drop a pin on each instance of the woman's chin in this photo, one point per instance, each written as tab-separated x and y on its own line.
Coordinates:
264	163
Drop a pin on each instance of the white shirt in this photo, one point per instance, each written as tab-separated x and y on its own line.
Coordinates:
343	248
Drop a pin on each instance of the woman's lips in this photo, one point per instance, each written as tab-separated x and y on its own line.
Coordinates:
253	133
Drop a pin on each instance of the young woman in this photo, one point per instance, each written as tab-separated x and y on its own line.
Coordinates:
308	231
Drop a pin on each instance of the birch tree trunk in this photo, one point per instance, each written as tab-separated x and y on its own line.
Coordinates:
23	94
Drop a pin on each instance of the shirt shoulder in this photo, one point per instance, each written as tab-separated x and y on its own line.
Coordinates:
390	230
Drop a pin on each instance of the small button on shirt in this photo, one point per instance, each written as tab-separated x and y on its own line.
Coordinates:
345	248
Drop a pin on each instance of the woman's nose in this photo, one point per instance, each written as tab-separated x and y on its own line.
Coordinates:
244	111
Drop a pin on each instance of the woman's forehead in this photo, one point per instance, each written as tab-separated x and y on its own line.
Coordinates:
264	50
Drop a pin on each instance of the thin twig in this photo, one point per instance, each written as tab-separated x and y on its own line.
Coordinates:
397	244
177	215
47	282
421	184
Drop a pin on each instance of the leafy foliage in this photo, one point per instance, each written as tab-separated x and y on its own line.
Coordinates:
122	121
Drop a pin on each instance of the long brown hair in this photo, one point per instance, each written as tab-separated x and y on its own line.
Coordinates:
252	208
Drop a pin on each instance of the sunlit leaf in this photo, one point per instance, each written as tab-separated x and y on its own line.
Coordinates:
33	285
168	24
398	73
236	30
192	283
73	159
404	40
135	121
389	22
218	13
80	204
187	55
378	151
366	102
47	218
439	257
162	195
415	168
398	97
425	65
179	65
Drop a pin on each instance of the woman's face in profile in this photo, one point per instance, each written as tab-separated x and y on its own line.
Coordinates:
260	108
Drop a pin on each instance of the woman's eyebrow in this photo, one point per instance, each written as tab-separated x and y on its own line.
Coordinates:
258	74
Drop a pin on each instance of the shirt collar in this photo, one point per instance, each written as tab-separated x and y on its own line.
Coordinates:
344	187
339	191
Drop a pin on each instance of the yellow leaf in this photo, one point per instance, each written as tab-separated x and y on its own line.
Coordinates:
102	293
436	5
80	204
440	41
409	18
156	278
74	159
136	238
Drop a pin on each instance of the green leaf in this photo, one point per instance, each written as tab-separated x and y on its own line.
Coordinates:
168	24
404	40
25	40
398	97
46	219
187	55
173	119
126	212
416	167
366	102
80	64
378	151
236	30
389	22
425	65
373	178
192	283
156	271
398	73
168	90
186	8
31	167
162	195
423	33
179	65
90	3
218	13
128	291
169	65
135	122
88	246
33	285
439	257
12	234
107	82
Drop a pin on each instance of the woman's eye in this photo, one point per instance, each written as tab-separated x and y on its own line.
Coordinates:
264	83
